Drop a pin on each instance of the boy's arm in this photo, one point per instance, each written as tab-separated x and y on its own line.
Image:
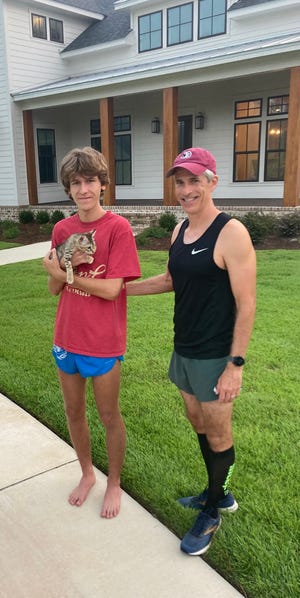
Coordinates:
106	288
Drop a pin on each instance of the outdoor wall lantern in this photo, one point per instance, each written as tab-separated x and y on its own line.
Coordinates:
199	121
155	125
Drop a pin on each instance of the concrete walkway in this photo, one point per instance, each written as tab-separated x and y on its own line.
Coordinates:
49	549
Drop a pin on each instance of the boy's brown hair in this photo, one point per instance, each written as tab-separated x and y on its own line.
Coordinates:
84	162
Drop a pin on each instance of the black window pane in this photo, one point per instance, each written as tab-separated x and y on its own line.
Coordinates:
150	32
56	30
47	155
39	28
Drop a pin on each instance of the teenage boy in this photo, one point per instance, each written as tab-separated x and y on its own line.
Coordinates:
90	326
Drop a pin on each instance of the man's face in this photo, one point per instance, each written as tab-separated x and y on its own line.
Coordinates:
192	190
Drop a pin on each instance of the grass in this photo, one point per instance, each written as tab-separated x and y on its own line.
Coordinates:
255	549
6	245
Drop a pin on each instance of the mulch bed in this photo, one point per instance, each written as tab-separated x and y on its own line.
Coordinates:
33	233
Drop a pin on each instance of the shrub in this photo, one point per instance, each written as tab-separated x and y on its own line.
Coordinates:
10	232
259	225
47	228
26	216
156	232
57	216
289	225
42	217
167	221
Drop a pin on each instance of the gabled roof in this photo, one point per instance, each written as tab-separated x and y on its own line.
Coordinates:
114	26
100	6
247	3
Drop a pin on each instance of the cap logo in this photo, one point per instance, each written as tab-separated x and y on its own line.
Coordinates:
186	155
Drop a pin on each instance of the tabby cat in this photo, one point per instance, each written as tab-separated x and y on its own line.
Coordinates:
78	241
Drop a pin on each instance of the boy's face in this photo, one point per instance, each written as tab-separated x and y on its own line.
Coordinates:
85	191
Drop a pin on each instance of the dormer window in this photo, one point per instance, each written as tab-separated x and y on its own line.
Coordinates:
212	17
53	30
180	24
56	31
39	26
150	31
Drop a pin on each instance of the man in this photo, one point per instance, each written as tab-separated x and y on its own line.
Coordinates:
90	327
211	269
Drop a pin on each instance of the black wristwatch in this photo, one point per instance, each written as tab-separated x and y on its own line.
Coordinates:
236	360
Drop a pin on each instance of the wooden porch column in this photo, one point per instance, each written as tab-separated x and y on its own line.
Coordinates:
30	157
170	132
291	195
108	147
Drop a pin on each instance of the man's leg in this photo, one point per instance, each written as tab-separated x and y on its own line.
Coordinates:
106	390
73	389
212	423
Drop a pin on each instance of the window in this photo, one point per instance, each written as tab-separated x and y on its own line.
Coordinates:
122	123
185	132
123	161
275	149
150	31
278	105
248	109
47	155
180	24
39	26
212	17
246	152
56	31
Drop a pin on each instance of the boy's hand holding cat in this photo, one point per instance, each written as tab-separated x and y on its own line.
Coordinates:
52	265
57	268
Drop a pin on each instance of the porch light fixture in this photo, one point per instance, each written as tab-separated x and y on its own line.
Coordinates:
155	125
199	121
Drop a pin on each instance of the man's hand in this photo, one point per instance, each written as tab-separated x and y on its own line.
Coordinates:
229	384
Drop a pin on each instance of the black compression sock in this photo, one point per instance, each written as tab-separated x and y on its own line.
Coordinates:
205	449
220	469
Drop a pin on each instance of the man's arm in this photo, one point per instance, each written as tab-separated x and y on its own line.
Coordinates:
240	261
162	283
106	288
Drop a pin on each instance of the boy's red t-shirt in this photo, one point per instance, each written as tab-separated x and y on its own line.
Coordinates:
87	324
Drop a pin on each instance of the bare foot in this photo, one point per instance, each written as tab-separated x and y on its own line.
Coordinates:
79	494
111	502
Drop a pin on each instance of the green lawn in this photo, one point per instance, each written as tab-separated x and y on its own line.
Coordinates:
7	245
256	548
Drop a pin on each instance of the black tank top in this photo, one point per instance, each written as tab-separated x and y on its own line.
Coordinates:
204	311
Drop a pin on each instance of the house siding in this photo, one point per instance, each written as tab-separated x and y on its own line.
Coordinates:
35	61
7	159
210	86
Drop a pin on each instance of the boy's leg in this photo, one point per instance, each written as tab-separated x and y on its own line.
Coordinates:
106	390
73	389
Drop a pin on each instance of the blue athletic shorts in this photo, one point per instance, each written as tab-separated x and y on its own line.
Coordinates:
85	365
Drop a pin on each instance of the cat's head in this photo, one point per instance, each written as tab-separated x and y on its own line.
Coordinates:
86	242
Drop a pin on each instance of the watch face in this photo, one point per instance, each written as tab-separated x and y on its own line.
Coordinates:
238	360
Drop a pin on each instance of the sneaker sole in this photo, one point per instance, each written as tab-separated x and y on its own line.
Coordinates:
205	549
230	509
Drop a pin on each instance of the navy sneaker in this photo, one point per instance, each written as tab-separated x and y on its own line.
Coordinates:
198	540
227	504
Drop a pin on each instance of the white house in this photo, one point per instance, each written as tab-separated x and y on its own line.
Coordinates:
143	79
